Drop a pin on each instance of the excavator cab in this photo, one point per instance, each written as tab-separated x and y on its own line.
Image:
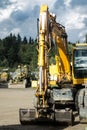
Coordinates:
79	74
80	64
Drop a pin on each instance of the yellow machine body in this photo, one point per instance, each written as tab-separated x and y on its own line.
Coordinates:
49	98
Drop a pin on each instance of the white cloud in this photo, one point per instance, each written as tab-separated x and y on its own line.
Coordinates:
13	0
74	20
31	3
82	33
20	11
5	13
19	4
67	2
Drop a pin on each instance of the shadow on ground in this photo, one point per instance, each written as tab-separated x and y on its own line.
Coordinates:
3	85
34	127
38	126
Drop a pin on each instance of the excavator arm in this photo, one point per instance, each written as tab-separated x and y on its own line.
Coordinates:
59	35
50	30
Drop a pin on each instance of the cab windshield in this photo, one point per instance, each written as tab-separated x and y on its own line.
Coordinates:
80	63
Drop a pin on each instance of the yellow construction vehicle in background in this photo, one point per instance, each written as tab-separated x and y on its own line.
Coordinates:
20	78
4	75
59	86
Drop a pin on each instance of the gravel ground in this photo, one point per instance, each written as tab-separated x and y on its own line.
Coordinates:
11	100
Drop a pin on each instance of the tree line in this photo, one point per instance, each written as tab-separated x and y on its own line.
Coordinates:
15	50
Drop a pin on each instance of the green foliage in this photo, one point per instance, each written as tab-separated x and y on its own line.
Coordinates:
14	51
70	47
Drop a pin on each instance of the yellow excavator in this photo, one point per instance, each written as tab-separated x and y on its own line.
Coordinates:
62	86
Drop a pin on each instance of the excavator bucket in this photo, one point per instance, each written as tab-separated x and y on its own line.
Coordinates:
22	84
27	115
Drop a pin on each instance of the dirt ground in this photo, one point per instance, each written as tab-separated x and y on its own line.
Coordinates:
11	100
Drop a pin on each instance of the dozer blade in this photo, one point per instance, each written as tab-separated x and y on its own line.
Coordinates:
16	85
20	84
83	114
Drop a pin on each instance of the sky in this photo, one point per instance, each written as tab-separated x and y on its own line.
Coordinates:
20	16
